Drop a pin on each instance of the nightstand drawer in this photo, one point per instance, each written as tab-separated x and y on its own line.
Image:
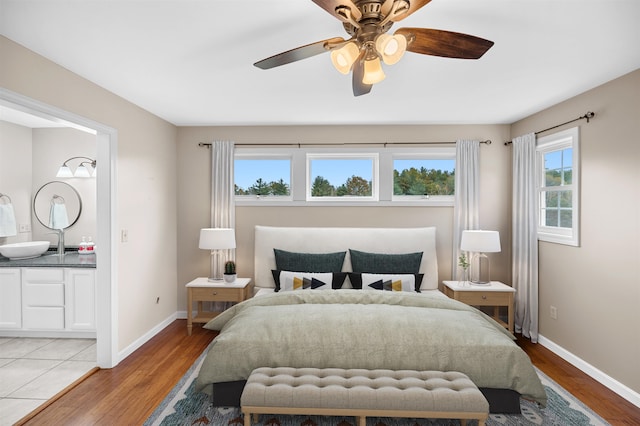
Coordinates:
218	294
483	298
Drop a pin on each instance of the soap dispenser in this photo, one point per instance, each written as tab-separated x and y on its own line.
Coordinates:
91	246
82	247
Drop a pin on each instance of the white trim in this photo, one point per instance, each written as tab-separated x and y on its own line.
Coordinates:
107	270
147	336
608	381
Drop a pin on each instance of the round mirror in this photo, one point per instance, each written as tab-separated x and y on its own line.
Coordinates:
57	205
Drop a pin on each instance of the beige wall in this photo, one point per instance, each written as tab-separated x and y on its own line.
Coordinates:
194	192
595	287
146	184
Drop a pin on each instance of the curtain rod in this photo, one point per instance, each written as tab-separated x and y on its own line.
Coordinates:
588	116
300	145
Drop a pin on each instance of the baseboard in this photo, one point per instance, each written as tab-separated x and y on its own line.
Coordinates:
608	381
181	315
146	337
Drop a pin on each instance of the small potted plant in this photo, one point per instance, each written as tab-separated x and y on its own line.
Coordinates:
464	264
229	271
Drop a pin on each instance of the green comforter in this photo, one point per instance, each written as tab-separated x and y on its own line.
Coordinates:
366	329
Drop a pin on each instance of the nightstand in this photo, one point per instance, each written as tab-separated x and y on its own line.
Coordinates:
202	290
494	294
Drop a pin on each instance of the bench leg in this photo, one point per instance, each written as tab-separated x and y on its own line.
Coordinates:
361	420
247	419
463	422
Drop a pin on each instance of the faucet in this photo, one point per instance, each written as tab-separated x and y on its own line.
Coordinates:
60	233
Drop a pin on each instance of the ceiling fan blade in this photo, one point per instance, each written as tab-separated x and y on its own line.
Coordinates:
299	53
359	88
448	44
414	5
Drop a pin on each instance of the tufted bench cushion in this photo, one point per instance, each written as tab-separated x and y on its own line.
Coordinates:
362	393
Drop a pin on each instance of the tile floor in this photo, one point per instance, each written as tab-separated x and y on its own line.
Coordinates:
34	370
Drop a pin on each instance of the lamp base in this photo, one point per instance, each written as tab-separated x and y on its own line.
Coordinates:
480	270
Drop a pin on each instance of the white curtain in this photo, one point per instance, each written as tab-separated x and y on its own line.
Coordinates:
465	210
223	212
524	262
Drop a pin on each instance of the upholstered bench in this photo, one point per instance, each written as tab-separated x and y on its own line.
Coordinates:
362	393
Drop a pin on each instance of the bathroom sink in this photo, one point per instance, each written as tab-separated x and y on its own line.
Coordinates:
24	250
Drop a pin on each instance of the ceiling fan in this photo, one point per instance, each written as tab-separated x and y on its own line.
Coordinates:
367	22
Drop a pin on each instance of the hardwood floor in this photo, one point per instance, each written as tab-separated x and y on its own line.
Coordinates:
128	394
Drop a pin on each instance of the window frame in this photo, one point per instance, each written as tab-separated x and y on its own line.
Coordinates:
375	175
559	141
264	154
424	154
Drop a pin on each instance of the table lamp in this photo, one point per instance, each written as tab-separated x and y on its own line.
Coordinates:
480	242
216	240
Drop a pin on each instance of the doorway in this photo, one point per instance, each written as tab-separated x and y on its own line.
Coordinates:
106	269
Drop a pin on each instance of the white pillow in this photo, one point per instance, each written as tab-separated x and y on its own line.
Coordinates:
393	282
290	281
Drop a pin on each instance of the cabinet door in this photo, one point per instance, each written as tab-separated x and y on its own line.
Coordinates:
10	298
80	295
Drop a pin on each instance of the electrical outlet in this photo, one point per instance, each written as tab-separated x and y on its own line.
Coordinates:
24	227
553	312
124	235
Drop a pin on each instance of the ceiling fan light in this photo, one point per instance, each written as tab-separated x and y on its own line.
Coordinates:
391	48
344	57
373	71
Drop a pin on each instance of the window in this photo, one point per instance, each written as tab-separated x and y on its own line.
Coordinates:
341	176
345	176
264	176
558	187
423	177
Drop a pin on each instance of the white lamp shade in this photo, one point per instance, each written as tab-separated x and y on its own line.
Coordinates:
82	171
217	238
480	241
373	71
344	57
391	48
64	171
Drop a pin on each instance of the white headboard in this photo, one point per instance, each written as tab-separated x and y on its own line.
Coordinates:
327	240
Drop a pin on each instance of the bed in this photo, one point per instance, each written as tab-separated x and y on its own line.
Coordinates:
345	319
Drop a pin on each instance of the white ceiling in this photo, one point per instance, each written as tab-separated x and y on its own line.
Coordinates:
190	61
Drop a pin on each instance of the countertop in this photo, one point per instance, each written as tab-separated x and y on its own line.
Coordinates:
70	259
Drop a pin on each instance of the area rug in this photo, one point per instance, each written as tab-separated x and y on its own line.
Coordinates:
185	407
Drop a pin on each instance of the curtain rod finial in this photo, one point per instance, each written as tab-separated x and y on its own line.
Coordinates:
589	115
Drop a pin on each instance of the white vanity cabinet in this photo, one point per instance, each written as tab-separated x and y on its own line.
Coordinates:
48	302
10	298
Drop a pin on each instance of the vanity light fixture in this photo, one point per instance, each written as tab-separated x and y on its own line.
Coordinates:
81	171
480	242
